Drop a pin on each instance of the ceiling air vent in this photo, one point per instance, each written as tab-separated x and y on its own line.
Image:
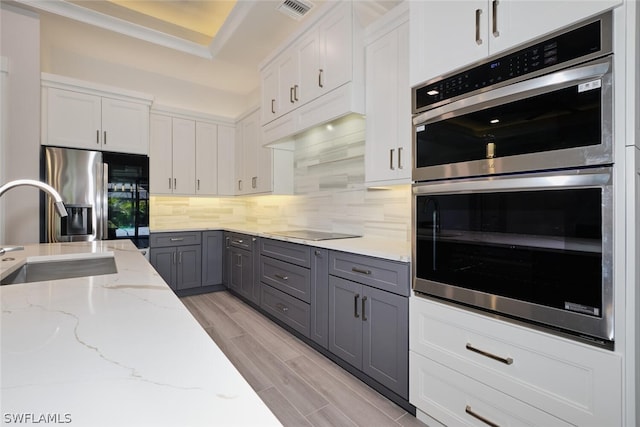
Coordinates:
295	8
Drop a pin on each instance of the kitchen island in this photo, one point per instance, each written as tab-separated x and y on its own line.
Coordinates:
113	349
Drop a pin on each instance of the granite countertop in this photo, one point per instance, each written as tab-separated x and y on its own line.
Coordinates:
116	349
394	250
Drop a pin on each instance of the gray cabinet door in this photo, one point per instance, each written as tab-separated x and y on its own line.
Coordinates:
212	258
162	259
319	302
189	271
385	321
345	323
241	274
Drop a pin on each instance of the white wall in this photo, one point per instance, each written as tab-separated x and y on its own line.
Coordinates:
20	45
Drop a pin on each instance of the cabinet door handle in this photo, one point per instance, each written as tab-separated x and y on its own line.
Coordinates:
239	185
391	159
169	183
318	253
360	270
283	308
364	316
295	93
239	264
104	141
400	158
478	38
479	417
254	182
494	11
198	184
174	257
227	241
273	108
355	305
281	277
98	136
175	183
291	95
320	73
505	360
180	257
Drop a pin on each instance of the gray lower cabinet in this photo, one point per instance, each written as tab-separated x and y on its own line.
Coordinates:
369	326
178	258
241	266
212	243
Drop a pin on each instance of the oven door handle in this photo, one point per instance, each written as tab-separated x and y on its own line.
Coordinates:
579	178
528	88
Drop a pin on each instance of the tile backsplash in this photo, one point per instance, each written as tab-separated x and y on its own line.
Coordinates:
329	194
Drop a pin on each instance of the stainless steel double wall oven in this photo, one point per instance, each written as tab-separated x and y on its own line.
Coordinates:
512	200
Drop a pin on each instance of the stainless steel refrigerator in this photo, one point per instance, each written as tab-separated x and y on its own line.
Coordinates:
105	194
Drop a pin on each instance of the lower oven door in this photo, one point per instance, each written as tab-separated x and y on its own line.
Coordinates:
535	247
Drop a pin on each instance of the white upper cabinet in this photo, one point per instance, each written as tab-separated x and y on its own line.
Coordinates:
206	158
326	56
80	115
388	102
447	35
253	162
190	156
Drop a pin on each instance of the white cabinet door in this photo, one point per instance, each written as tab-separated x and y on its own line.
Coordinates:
206	158
270	107
74	119
250	153
184	152
388	107
160	155
226	160
125	126
335	36
309	63
288	82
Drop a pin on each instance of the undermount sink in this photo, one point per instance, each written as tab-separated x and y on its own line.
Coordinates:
38	269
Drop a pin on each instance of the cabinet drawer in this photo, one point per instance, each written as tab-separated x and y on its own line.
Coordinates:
291	311
289	278
456	399
160	240
380	273
576	382
285	251
242	241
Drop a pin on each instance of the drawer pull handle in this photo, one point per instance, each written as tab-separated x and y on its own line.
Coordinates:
470	411
364	316
360	270
355	305
283	308
505	360
281	277
177	239
238	242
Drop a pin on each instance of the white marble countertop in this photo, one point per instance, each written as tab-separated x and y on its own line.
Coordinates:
112	350
394	250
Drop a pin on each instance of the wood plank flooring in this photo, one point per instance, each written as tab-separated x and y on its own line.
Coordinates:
300	386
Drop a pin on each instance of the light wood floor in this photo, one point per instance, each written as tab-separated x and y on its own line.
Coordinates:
298	384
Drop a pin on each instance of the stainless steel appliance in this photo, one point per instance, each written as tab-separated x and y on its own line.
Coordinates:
513	192
105	195
545	106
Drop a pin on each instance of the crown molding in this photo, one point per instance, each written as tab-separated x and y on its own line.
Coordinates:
88	16
236	17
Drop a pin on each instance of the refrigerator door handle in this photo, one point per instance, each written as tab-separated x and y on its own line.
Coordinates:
104	217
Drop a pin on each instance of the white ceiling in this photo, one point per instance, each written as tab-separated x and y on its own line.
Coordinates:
229	62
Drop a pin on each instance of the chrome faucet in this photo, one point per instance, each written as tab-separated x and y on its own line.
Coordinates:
59	205
62	211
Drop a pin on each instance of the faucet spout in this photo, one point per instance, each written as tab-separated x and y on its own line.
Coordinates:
59	205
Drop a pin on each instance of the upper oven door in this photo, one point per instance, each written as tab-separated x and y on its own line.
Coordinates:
560	120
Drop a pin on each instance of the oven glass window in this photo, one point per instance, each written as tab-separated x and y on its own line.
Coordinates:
543	247
566	118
